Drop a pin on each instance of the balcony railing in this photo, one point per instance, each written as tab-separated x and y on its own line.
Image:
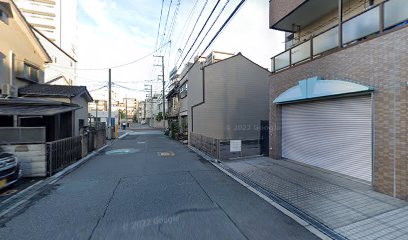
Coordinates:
378	19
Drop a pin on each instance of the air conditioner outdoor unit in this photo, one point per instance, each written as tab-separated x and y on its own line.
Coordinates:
8	90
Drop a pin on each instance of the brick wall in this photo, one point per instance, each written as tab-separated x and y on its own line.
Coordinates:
383	64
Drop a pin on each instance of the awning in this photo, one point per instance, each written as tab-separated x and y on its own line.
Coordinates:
35	110
315	88
34	107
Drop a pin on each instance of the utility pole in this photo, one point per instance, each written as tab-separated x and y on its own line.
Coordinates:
151	105
126	111
164	97
96	117
144	111
109	122
150	89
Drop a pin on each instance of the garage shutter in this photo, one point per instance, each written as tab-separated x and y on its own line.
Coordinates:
332	134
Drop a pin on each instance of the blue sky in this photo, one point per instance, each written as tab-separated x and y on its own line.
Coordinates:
116	32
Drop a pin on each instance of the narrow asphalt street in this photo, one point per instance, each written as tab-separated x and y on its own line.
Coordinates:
156	188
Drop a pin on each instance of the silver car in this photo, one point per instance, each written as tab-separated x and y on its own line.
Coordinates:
10	170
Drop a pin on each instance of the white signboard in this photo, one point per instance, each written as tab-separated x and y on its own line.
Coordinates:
235	146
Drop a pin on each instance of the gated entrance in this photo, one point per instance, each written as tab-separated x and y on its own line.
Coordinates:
264	142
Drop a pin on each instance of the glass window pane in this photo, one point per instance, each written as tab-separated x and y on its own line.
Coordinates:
282	60
301	52
362	25
326	41
395	11
26	71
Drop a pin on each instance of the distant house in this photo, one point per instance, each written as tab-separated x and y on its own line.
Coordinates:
227	100
62	68
78	95
22	63
39	123
183	98
173	100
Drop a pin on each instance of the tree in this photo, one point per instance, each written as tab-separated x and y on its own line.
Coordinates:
122	114
159	116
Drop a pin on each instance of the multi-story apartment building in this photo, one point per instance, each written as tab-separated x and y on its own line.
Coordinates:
101	105
339	91
55	19
55	24
141	112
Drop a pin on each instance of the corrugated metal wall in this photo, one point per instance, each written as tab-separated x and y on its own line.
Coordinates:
330	134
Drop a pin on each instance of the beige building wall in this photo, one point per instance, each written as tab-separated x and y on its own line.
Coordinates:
236	100
17	47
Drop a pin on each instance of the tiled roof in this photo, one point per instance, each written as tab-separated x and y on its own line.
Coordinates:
34	107
52	90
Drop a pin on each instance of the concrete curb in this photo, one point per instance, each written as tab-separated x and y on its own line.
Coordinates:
49	181
216	163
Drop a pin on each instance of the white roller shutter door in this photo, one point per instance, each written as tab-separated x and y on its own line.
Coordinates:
333	134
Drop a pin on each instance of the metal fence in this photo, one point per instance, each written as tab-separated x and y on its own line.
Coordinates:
221	149
249	148
62	153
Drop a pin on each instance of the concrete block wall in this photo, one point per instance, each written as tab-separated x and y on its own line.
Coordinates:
382	63
32	158
206	144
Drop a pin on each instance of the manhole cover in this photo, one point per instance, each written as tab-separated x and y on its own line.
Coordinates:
166	154
122	151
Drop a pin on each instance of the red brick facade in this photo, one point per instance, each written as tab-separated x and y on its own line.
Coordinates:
383	64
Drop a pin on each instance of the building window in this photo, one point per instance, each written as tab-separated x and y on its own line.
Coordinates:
3	16
31	72
183	90
81	123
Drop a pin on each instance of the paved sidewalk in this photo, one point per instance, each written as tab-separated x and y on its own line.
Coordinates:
350	208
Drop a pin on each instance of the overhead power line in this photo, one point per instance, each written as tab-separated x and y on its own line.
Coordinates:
192	30
120	65
212	25
216	35
158	30
93	90
186	24
167	19
128	88
202	29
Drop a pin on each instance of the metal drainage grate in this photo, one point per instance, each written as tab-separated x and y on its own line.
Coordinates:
166	154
